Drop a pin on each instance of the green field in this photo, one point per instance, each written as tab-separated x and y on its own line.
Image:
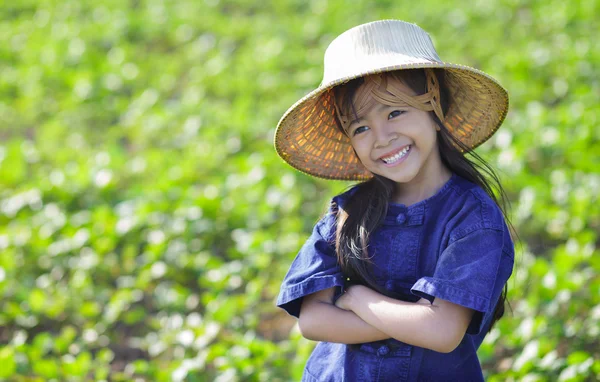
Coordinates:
146	221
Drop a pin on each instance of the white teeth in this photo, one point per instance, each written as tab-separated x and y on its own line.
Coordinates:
397	156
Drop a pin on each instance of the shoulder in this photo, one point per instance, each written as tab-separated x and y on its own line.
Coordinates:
470	209
469	204
340	201
327	225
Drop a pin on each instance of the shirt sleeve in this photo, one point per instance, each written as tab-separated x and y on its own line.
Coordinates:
315	268
471	272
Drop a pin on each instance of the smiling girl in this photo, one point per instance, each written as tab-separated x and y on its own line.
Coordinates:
404	276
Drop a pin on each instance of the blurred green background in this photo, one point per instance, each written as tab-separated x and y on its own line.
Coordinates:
146	221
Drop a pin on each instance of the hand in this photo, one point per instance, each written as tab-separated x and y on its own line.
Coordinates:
345	301
342	301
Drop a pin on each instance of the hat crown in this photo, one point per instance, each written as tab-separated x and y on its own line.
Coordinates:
375	46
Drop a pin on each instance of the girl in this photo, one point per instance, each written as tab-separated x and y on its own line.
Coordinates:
404	276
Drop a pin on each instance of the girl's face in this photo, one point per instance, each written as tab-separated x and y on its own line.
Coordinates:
399	143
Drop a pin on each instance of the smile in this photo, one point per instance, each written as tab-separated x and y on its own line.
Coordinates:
396	157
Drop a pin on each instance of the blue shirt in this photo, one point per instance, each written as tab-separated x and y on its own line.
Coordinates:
454	245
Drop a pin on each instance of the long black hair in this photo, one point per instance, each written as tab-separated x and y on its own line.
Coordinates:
367	207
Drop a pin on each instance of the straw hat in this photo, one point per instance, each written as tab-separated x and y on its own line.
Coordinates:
307	137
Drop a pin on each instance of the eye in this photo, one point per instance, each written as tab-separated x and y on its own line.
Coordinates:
395	113
359	130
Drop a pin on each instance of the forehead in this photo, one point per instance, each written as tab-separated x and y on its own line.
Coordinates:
358	98
389	80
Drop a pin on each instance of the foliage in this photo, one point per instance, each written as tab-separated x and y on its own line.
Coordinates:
146	221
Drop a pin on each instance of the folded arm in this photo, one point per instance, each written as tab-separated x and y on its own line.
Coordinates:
439	326
321	320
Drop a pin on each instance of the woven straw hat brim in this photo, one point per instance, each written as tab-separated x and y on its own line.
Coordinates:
307	136
308	139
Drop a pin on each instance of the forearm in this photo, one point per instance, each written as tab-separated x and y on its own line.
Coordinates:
433	326
321	321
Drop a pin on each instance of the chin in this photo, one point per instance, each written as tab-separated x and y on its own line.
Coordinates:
398	177
402	179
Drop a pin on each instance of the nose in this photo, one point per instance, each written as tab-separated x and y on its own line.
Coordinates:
384	135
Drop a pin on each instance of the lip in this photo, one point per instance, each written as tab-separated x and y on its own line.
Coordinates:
401	160
393	152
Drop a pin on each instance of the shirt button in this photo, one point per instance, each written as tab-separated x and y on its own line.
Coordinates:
383	350
401	218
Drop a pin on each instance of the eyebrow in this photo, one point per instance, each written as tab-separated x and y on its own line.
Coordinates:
377	108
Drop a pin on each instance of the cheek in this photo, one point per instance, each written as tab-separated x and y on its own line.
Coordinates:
360	150
426	137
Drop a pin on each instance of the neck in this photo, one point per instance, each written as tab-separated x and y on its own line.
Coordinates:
421	187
